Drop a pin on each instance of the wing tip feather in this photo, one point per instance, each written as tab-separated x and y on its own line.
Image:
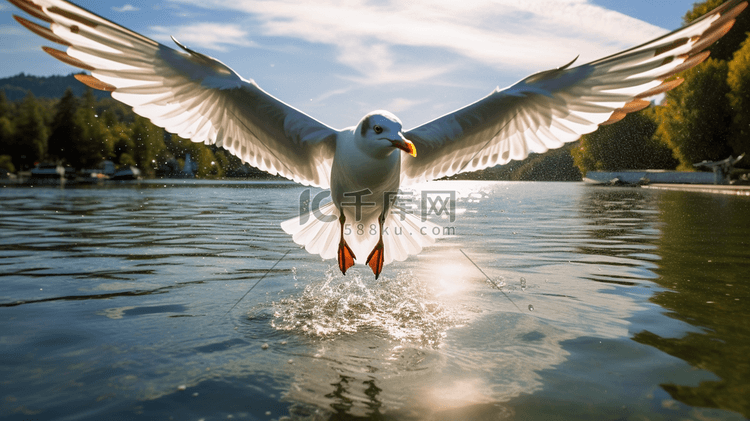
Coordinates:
94	83
65	58
40	30
664	87
32	9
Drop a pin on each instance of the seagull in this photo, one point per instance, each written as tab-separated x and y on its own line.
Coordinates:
200	98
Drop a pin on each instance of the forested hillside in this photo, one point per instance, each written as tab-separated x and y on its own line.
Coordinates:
53	87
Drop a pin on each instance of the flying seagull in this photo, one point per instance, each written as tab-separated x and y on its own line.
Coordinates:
200	98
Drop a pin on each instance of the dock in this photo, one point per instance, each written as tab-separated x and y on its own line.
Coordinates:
734	190
644	177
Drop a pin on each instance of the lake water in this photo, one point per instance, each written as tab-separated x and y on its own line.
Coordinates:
116	302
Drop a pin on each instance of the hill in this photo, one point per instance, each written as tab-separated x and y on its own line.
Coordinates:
53	87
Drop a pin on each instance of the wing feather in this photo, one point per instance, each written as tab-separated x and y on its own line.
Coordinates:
554	107
187	93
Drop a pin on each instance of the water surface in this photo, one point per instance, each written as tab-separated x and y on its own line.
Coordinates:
551	300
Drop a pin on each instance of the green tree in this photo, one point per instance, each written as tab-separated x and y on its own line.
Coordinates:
207	165
229	164
94	143
30	138
7	128
625	145
6	162
124	147
695	119
724	48
738	80
7	134
148	145
65	132
4	105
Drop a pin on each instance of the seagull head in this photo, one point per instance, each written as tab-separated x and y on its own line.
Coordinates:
380	133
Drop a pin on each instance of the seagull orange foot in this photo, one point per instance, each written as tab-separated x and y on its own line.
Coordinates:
346	257
375	259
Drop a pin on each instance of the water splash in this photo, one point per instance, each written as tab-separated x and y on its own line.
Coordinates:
400	308
497	283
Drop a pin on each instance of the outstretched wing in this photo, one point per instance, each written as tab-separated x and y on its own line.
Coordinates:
187	93
548	109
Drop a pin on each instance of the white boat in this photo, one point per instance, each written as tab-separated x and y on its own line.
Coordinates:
48	173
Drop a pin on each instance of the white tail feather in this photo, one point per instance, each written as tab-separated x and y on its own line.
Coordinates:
319	232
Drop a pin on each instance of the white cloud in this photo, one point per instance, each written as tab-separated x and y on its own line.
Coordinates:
401	104
213	36
377	65
517	35
330	94
14	39
126	8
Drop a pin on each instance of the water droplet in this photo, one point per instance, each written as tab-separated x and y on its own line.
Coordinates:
523	283
531	307
498	282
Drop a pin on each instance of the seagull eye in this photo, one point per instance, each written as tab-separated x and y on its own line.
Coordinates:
377	129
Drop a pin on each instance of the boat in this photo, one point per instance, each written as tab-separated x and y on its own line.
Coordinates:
104	171
128	172
54	171
46	173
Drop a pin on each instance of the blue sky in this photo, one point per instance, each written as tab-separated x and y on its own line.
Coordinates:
340	59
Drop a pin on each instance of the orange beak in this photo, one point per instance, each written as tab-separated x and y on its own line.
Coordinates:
405	145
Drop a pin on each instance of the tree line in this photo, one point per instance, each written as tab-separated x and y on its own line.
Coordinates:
82	131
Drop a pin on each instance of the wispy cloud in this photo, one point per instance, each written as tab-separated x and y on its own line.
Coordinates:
516	35
11	30
126	8
401	104
12	40
212	36
377	64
